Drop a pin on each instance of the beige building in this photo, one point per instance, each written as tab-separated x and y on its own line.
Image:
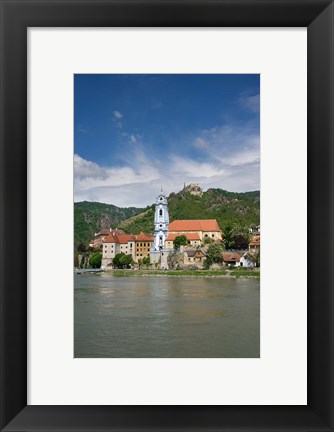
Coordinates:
194	257
192	238
205	228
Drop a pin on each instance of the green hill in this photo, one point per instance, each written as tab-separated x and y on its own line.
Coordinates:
226	207
91	217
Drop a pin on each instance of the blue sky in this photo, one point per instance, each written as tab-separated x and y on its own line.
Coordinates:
133	133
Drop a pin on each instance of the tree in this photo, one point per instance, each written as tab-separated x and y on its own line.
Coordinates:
236	236
82	261
126	261
214	254
180	240
228	236
95	260
81	248
122	261
146	260
255	257
208	240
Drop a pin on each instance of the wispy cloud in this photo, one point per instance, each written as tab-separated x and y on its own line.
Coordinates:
250	102
82	129
117	118
118	115
201	143
137	182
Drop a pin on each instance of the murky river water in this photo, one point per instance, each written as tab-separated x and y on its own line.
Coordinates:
166	317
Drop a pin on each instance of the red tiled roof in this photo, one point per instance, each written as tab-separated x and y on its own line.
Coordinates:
194	225
190	236
124	238
110	239
231	256
143	237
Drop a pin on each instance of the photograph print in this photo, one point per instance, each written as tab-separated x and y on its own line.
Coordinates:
166	216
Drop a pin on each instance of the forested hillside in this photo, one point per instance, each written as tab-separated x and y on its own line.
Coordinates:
227	207
91	217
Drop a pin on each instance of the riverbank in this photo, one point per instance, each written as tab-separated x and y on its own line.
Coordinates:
180	273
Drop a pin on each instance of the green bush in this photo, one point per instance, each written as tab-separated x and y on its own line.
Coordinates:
95	260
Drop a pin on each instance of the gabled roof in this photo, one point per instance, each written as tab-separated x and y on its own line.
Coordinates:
193	252
189	236
231	256
194	225
110	239
143	237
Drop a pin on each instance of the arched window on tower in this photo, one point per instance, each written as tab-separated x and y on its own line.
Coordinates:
160	212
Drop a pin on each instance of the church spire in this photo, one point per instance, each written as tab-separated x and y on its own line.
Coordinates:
161	222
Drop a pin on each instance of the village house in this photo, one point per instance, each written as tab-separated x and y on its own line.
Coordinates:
254	244
194	257
246	262
231	258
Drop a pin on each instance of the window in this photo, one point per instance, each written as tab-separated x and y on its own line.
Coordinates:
160	212
212	235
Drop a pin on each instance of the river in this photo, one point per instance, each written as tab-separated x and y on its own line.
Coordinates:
166	317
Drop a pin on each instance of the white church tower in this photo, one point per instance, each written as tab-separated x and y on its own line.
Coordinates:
161	222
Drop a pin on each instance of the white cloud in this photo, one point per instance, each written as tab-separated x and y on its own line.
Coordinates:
133	139
118	115
84	169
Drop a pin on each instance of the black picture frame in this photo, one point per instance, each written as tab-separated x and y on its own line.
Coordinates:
16	17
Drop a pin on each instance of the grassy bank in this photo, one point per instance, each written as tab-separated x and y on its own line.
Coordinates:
208	273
